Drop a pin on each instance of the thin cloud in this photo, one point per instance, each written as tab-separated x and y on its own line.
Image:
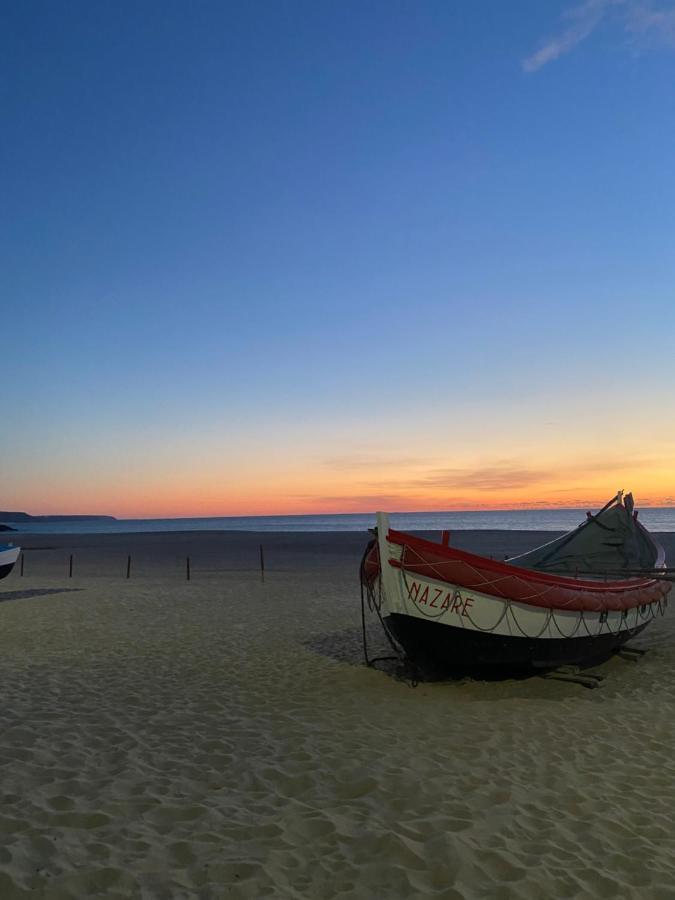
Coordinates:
502	476
639	19
656	24
348	463
371	501
473	487
506	475
584	20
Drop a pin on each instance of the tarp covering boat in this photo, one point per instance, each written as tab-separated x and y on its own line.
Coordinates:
611	542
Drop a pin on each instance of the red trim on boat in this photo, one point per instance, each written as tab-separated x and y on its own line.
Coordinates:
495	565
500	579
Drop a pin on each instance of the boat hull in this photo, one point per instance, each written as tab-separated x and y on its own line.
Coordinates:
439	650
452	611
8	556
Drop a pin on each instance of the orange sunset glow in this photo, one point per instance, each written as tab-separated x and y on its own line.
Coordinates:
352	484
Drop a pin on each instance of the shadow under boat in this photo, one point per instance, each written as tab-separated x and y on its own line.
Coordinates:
6	596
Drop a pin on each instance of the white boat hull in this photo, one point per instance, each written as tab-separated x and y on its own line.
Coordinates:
444	626
8	556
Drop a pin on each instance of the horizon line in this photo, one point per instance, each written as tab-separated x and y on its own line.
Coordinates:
369	512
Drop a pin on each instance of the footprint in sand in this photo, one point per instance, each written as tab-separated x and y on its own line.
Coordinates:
79	820
61	803
181	854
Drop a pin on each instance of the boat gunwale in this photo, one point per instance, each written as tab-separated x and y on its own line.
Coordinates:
8	548
622	585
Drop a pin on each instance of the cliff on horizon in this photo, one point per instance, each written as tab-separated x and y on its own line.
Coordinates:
25	517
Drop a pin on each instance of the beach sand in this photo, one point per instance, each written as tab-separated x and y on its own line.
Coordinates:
222	738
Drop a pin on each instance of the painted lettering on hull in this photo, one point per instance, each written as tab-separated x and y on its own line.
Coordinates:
427	598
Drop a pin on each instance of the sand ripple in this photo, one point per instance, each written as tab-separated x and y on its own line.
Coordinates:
222	739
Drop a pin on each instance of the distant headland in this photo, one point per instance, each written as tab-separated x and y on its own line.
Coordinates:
25	517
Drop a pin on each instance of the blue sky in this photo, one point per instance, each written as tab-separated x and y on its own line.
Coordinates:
254	238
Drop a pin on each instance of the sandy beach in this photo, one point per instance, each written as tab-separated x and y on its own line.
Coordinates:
221	738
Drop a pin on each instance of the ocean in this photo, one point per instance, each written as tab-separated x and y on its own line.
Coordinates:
655	519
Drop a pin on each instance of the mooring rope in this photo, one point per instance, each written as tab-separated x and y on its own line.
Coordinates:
400	654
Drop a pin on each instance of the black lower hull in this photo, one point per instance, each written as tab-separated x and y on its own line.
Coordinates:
440	650
5	570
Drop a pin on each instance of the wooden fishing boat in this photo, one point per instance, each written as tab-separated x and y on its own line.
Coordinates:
8	556
573	601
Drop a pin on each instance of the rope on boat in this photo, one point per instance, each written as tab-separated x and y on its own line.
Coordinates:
439	570
648	611
524	634
576	627
508	607
489	629
375	604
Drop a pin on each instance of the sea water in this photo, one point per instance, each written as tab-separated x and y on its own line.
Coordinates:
655	519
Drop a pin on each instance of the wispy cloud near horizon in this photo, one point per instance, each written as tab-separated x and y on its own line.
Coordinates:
503	475
636	18
491	483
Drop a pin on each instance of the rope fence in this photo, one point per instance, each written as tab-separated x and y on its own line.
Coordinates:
47	562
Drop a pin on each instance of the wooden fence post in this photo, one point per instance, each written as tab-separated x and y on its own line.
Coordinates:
129	566
187	567
262	563
70	567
